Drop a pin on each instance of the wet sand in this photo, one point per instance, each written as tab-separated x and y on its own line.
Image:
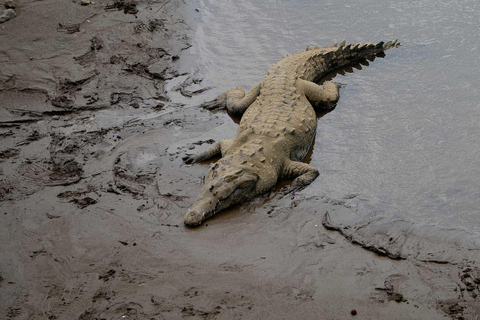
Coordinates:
93	193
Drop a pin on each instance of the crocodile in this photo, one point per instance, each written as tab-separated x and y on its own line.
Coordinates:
277	127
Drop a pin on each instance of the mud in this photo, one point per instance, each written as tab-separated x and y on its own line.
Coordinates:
93	191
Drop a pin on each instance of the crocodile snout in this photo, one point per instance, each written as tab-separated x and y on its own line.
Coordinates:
193	218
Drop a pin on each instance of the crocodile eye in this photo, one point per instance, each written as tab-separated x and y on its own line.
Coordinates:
212	173
246	180
229	178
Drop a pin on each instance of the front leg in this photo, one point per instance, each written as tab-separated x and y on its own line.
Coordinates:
321	98
234	100
303	173
219	148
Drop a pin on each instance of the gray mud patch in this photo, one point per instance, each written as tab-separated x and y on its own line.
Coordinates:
101	52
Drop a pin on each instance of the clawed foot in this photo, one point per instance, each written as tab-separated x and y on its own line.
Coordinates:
216	104
339	84
290	189
190	159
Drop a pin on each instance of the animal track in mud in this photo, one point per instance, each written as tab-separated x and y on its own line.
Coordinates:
107	275
86	59
452	308
41	252
13	188
69	28
302	295
103	294
125	99
135	172
9	153
470	278
192	292
128	7
76	193
391	288
64	166
83	203
13	312
193	312
46	173
34	136
153	25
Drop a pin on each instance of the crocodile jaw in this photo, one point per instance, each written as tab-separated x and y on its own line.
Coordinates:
221	191
202	209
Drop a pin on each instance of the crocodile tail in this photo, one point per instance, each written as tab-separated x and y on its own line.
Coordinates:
326	59
347	53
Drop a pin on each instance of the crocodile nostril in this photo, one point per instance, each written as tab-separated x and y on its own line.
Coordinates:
193	213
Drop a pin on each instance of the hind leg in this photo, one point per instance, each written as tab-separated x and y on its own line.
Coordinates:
320	97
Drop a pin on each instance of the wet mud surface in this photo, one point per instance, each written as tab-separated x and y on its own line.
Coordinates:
93	191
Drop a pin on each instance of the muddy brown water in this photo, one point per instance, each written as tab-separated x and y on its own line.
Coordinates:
404	136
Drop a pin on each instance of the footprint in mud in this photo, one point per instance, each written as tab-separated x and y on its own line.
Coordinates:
46	173
9	153
192	292
103	294
470	278
34	174
136	172
193	312
83	203
391	288
61	166
13	188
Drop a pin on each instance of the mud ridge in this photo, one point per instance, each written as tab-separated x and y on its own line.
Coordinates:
399	239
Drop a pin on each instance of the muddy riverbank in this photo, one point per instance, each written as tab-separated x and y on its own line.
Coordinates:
93	192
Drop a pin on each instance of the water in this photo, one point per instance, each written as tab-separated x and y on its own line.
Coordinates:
404	137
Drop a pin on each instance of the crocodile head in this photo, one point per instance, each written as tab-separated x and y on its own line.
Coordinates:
225	185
